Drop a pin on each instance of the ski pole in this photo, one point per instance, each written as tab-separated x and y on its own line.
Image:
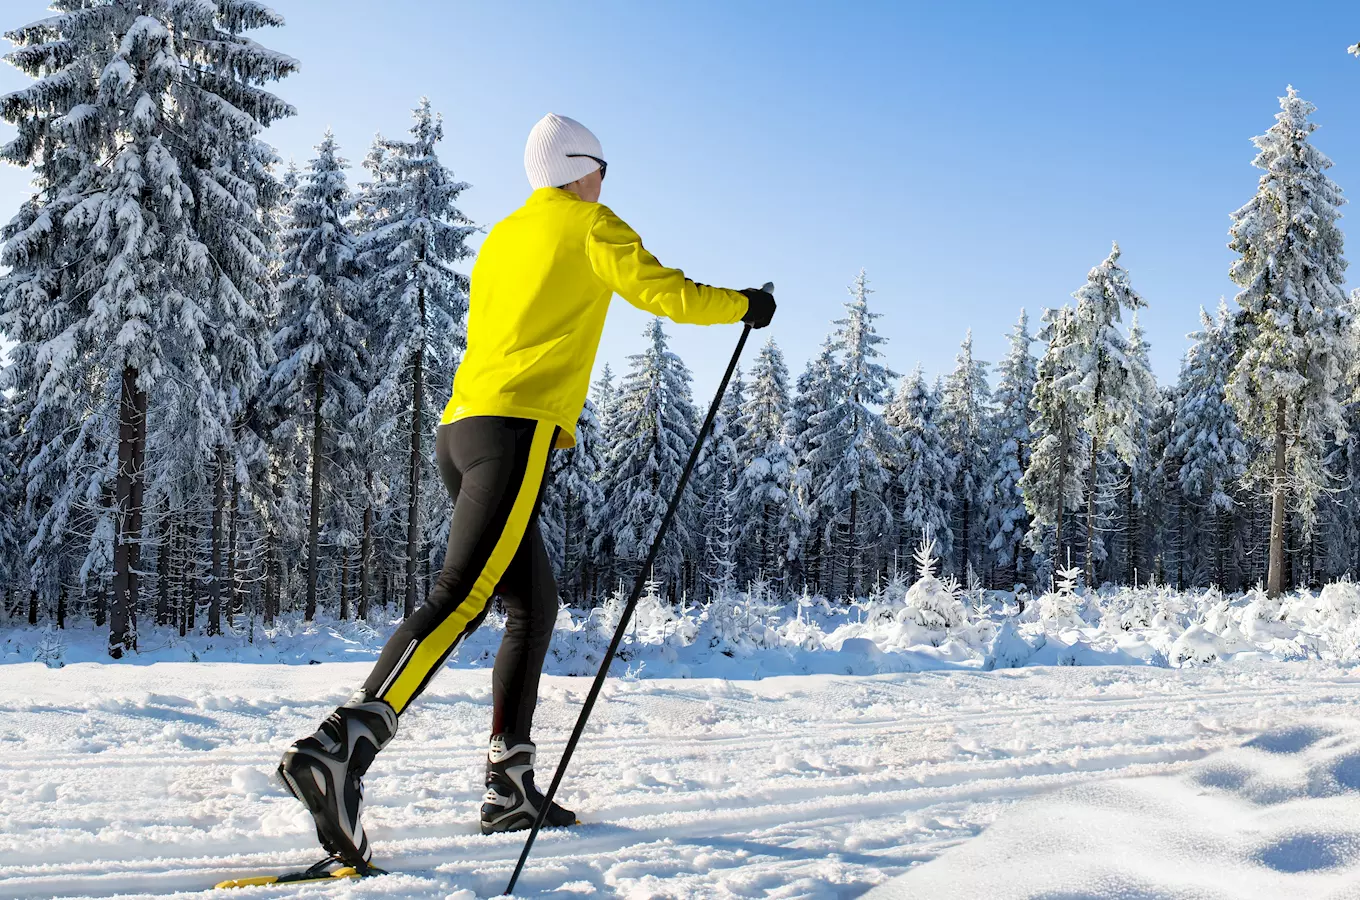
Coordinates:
638	587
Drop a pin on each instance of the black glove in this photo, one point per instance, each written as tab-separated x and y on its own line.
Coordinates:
760	307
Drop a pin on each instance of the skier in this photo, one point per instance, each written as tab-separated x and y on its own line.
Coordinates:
541	288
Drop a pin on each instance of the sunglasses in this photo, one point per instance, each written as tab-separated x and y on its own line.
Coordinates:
604	166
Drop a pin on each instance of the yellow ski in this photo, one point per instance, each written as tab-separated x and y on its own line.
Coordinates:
319	872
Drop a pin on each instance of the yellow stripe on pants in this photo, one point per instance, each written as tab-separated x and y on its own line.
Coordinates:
433	648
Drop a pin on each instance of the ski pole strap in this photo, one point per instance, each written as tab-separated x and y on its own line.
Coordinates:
638	586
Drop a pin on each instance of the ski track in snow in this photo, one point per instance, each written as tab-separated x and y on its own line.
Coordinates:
155	780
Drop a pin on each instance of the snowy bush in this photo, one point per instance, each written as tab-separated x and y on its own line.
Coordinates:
931	603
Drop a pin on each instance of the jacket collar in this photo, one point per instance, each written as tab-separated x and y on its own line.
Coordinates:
543	195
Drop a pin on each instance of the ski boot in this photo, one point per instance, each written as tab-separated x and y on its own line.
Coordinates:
512	802
325	772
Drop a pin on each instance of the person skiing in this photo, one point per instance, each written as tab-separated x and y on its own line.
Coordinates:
541	288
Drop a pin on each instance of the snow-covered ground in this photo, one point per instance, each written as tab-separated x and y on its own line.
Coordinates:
148	780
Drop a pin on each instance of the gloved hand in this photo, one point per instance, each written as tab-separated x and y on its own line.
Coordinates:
760	306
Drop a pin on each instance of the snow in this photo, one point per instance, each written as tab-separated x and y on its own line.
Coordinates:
152	780
1274	817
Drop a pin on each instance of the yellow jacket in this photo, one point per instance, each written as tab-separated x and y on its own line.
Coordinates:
541	287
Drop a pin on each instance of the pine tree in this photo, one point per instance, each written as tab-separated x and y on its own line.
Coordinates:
572	505
1110	386
820	388
762	494
11	497
920	495
655	428
141	127
1052	483
415	234
1131	476
850	443
1164	507
1007	519
1206	440
964	413
715	526
1294	327
321	349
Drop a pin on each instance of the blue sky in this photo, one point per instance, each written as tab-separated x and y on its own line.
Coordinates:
974	158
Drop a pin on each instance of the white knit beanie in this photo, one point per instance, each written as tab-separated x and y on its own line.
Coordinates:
546	159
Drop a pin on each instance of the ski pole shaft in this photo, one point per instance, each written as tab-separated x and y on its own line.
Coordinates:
638	586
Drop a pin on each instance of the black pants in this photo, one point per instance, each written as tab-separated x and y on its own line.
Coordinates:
495	470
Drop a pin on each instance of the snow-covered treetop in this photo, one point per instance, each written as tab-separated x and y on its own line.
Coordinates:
866	381
767	401
1294	329
1103	372
1015	383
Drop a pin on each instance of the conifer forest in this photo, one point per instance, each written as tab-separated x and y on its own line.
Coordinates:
225	374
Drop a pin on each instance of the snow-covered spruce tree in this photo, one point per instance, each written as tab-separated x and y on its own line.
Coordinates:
732	403
655	427
415	234
762	495
1052	484
820	387
1130	477
1165	507
850	445
572	506
1007	519
1206	440
712	488
43	393
1294	328
11	505
1112	388
599	574
714	525
321	349
965	409
141	127
920	493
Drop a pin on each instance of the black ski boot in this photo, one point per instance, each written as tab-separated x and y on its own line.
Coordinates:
325	772
511	802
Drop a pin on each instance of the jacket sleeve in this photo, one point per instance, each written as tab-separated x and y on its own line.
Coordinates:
620	261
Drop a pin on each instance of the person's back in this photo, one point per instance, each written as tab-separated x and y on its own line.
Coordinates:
541	289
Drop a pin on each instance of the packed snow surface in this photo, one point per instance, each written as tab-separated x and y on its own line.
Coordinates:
153	780
1276	817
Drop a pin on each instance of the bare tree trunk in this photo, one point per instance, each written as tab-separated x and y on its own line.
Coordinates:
1062	499
344	584
127	545
185	601
413	468
1130	533
1275	579
163	569
234	600
215	580
314	515
366	546
855	563
965	549
1092	473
